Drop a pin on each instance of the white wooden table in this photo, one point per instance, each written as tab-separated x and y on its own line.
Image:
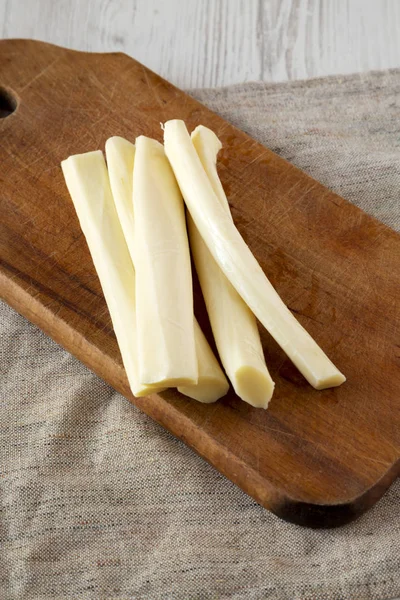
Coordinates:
206	43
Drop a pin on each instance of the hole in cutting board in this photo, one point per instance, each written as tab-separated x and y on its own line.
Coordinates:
8	102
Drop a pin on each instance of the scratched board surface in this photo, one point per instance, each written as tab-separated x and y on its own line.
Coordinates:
315	458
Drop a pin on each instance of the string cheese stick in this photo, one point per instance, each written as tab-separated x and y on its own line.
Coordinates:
212	383
164	296
238	263
233	324
88	184
120	155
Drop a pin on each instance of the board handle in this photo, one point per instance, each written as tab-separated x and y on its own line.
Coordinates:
22	62
8	102
31	64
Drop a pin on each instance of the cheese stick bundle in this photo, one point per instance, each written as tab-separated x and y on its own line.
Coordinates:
132	215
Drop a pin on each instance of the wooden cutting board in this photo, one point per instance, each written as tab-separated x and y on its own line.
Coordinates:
314	458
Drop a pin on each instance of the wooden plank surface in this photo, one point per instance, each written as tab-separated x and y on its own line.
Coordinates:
205	43
315	458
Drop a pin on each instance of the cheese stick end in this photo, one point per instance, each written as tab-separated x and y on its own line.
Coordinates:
334	380
252	386
210	390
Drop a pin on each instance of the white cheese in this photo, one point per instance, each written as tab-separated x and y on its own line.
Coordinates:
88	184
120	153
212	382
238	263
164	296
233	324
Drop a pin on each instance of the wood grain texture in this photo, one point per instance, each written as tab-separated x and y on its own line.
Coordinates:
315	458
206	43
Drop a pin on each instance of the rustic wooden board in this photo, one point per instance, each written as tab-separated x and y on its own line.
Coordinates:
314	458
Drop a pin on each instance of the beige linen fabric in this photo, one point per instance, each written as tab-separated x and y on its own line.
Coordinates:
97	501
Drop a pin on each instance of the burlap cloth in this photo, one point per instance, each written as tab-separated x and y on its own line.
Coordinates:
97	501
